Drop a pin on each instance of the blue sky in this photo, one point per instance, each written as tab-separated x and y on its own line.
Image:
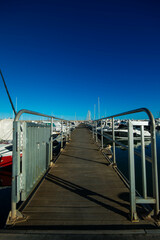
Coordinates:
58	57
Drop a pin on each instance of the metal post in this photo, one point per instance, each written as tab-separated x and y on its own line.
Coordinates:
101	134
24	161
96	132
114	145
93	129
51	144
154	169
67	140
144	185
69	130
132	172
61	134
14	171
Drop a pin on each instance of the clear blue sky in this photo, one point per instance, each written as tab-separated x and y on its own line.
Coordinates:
58	57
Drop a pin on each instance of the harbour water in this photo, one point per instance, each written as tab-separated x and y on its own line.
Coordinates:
5	194
122	163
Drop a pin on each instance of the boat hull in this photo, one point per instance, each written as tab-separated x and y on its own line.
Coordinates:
5	161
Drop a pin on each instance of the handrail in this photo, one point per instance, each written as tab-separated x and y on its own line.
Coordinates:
153	159
150	115
35	113
18	139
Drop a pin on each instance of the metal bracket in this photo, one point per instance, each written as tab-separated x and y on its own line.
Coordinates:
135	218
20	184
19	218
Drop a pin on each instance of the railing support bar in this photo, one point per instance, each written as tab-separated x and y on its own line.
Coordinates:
61	134
68	124
101	134
132	172
93	130
114	145
51	144
144	185
96	133
69	130
15	167
154	169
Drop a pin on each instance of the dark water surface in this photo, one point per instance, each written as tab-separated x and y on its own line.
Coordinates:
122	163
5	194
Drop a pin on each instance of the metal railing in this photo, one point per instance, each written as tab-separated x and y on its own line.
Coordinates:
32	155
144	199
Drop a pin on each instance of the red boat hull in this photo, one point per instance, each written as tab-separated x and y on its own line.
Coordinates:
5	161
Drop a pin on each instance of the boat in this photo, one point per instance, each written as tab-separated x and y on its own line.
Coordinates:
6	129
157	121
121	129
122	132
57	127
5	155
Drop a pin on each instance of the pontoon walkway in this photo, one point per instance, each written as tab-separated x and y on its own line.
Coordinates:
80	191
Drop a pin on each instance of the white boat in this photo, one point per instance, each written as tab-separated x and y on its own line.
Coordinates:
122	131
107	124
157	122
64	128
5	155
6	129
57	128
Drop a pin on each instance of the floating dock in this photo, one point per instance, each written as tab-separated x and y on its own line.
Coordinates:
82	194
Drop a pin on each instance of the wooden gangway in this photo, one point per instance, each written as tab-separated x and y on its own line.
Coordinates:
81	191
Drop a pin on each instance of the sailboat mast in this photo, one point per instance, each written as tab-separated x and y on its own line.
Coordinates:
98	108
